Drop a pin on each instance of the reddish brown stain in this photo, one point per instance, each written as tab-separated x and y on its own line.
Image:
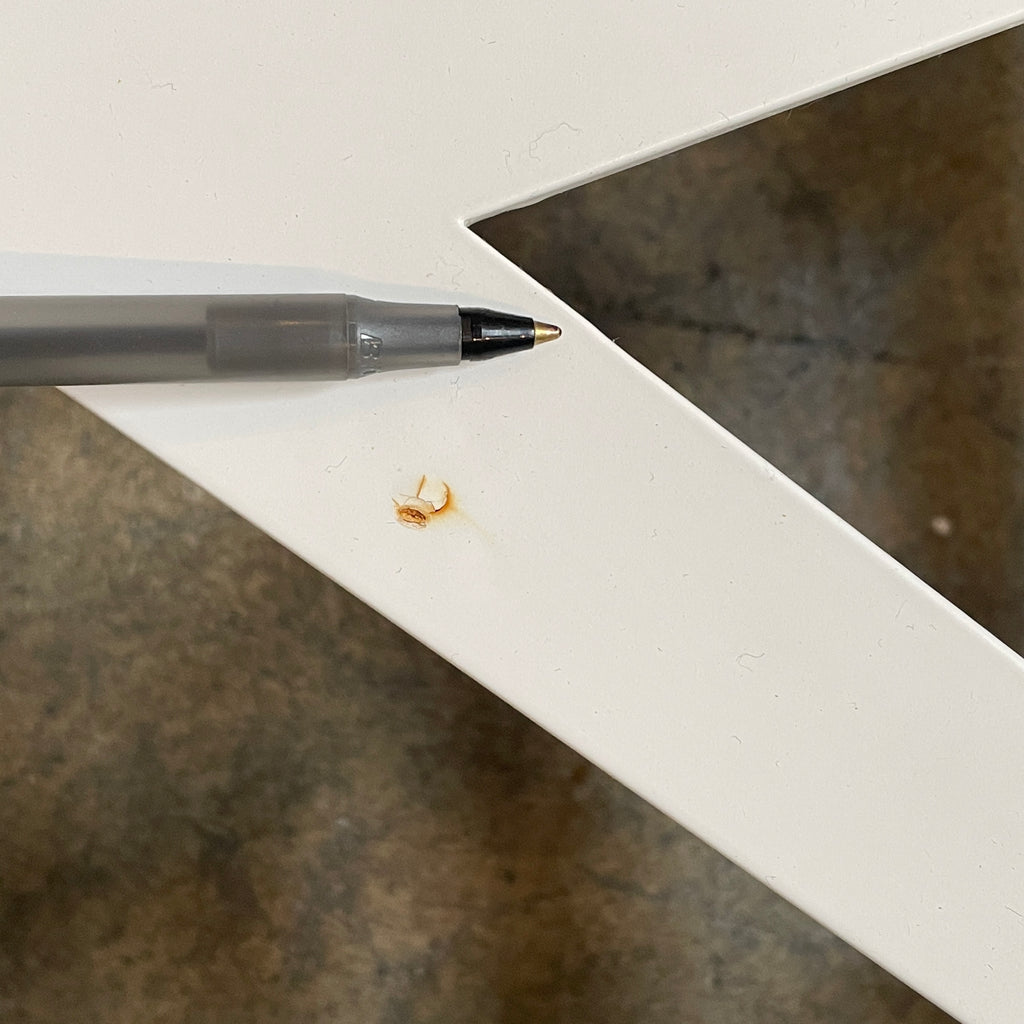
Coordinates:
415	511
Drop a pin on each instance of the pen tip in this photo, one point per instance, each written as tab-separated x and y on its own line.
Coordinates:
545	332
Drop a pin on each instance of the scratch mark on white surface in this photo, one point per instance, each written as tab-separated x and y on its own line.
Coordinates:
508	160
747	654
737	739
456	269
550	131
153	84
899	611
337	465
1016	913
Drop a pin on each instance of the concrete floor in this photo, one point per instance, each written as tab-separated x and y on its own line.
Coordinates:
231	793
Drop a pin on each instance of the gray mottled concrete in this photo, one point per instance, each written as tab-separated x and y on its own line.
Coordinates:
231	793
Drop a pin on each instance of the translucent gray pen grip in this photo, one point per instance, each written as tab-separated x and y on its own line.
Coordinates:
107	339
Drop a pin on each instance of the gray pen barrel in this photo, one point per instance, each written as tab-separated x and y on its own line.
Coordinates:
122	339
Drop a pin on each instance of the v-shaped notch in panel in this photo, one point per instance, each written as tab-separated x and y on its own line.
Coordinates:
841	287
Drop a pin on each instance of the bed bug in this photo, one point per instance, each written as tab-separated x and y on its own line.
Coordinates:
415	510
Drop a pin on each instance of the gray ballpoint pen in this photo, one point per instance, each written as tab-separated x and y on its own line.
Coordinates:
124	339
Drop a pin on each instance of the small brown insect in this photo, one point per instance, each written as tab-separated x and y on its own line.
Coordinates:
415	511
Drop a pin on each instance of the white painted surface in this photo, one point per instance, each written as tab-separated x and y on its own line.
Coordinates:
664	600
